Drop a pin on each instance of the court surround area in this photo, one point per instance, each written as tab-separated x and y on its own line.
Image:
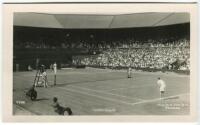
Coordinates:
92	91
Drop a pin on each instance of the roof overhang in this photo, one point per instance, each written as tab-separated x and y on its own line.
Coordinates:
92	21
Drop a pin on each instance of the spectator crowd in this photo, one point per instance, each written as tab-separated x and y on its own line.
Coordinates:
165	47
151	54
103	44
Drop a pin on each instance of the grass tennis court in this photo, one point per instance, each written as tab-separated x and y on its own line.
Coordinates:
103	92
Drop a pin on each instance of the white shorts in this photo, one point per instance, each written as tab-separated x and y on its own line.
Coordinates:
55	70
162	89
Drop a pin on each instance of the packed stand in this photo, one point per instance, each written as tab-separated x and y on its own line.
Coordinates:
153	54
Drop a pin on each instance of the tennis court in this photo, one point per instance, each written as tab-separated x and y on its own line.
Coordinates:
93	91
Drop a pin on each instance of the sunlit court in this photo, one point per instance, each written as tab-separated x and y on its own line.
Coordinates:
92	91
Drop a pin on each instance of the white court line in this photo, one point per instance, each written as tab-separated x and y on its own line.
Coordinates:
110	93
130	87
95	91
66	73
132	104
157	99
87	82
104	92
127	103
104	98
26	110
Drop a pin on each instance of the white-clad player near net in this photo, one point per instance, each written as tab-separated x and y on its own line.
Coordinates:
162	86
55	71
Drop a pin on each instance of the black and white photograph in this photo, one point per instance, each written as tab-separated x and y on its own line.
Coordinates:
101	63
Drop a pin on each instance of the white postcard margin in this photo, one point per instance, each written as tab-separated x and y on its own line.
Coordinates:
7	87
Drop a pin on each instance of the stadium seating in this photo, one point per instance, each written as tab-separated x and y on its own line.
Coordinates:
163	47
154	57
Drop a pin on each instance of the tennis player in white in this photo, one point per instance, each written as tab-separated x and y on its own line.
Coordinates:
162	86
55	71
55	68
129	72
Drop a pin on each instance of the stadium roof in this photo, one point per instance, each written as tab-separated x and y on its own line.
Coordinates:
88	21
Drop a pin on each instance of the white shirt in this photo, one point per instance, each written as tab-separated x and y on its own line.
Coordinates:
161	84
55	67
